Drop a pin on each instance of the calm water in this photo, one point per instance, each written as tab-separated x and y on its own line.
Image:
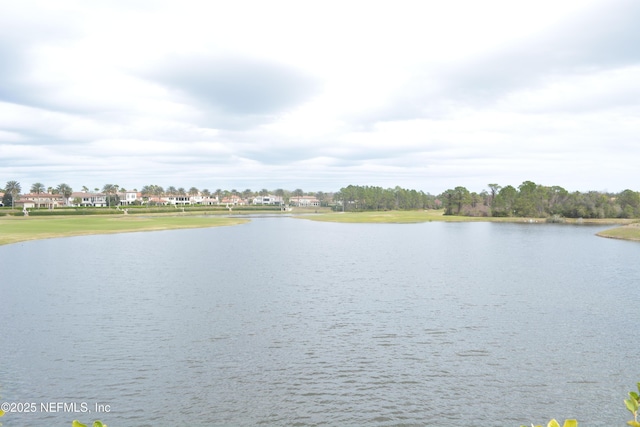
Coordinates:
292	322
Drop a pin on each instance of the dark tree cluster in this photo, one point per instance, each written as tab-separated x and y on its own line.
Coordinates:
366	198
539	201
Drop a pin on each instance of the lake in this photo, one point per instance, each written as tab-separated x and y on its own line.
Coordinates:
284	321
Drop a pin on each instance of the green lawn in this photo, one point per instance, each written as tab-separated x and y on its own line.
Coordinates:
628	232
415	216
17	229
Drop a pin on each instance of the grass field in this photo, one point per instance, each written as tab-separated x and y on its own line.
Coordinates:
407	217
18	229
627	232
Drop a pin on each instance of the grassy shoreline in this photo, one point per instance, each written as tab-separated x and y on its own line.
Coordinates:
628	229
20	229
407	217
627	232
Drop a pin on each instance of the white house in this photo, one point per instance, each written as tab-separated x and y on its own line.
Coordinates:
87	199
129	197
268	200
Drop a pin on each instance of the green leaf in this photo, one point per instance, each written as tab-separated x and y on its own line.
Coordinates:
98	424
553	423
632	405
1	412
570	423
633	423
633	395
77	423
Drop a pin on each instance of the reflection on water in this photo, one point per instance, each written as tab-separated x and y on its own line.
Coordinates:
290	322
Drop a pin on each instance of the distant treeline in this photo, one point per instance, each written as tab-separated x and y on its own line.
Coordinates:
535	200
527	200
365	198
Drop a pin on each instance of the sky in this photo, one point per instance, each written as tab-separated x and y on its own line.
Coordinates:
318	95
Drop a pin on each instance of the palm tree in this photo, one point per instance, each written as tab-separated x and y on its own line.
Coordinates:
37	188
109	189
85	189
13	188
66	192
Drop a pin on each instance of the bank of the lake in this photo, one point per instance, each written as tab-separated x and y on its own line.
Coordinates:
18	229
417	216
627	232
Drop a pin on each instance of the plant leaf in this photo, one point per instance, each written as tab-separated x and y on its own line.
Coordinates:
633	423
98	424
570	423
631	404
553	423
77	423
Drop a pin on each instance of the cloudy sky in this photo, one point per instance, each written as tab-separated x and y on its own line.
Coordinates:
318	95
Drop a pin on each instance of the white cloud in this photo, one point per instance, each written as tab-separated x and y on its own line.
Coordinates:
318	95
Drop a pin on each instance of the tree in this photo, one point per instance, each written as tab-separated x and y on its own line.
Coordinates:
494	191
629	202
13	188
461	197
504	201
111	191
65	191
193	191
37	188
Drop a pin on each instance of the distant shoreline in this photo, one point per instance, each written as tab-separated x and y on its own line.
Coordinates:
21	229
627	232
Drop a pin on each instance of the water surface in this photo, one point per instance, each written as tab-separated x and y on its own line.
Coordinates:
291	322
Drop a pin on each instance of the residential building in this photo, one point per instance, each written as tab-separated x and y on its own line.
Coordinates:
233	200
178	200
41	200
129	197
268	200
88	199
304	201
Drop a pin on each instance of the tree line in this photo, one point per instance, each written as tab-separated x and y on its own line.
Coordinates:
367	198
534	200
527	200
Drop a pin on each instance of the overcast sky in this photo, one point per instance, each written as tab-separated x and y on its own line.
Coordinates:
318	95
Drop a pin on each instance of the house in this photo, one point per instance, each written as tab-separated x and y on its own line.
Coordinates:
129	197
210	201
268	200
41	200
232	200
304	201
88	199
178	200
